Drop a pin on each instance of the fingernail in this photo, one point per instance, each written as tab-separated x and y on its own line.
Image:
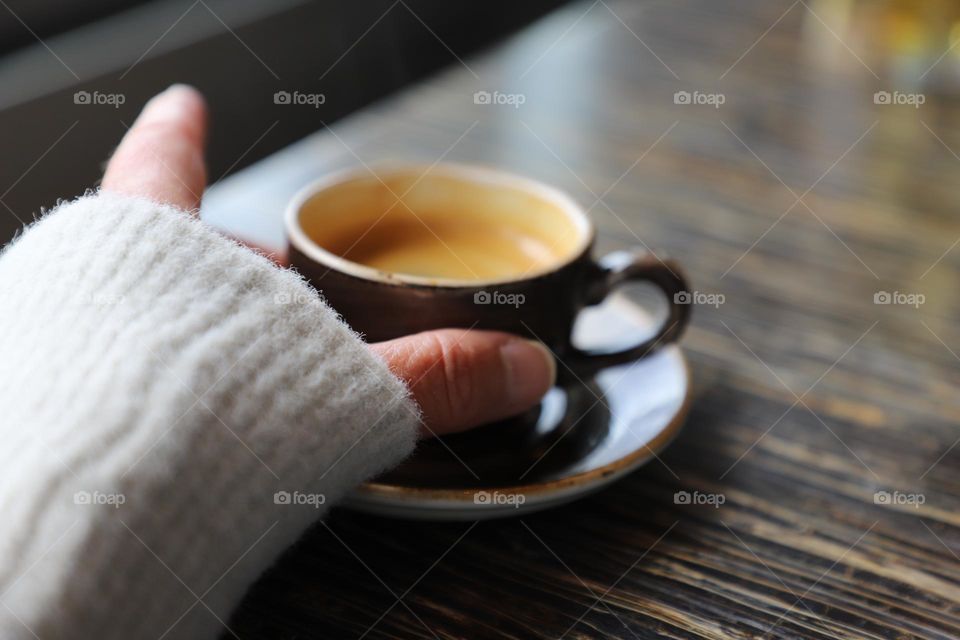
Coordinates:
530	371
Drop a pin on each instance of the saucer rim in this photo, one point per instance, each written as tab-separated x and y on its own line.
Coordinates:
380	493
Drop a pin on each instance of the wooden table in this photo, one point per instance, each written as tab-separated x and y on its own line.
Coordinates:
799	200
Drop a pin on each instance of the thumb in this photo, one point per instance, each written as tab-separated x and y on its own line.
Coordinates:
465	378
161	157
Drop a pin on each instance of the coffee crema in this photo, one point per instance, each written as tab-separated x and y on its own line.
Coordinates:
443	227
457	247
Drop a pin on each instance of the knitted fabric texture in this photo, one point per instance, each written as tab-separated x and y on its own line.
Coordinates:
175	411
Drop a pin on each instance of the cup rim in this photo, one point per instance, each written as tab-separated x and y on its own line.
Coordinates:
298	238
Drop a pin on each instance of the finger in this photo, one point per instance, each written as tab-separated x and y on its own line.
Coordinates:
161	156
463	379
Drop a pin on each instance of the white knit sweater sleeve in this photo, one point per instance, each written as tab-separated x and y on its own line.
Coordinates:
174	412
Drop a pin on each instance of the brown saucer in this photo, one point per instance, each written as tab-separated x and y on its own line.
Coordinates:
578	440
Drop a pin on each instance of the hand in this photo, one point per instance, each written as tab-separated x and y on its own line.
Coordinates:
459	378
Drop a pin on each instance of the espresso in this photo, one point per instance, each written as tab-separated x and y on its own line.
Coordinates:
447	227
461	249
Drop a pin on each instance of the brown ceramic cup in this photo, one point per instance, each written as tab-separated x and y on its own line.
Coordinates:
541	303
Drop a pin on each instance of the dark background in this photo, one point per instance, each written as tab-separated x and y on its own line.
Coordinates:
239	53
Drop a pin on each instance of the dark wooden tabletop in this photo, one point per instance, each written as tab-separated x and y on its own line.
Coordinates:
825	418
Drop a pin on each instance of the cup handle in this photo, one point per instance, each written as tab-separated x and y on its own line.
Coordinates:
623	266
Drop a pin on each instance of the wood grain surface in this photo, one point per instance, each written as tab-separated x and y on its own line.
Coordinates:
798	200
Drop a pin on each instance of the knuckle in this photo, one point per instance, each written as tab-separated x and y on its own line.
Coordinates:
454	375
